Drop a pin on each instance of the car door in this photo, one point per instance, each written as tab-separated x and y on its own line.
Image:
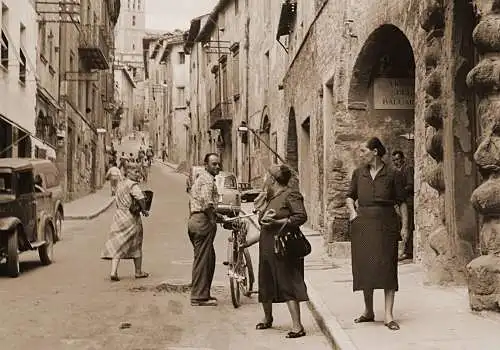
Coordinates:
27	202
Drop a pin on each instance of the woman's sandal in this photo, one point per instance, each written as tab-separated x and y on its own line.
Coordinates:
264	325
393	325
142	275
298	334
363	318
114	278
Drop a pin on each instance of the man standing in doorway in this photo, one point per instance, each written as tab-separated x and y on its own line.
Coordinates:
202	226
399	161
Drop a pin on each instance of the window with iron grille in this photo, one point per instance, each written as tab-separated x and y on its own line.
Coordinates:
4	52
22	67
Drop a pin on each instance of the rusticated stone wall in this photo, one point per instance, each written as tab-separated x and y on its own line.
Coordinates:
433	22
484	78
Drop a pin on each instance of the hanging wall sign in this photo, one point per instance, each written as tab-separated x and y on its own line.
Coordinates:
392	93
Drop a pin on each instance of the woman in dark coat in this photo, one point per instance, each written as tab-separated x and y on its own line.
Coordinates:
281	279
375	229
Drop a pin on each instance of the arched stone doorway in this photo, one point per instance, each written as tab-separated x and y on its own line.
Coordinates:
382	89
292	151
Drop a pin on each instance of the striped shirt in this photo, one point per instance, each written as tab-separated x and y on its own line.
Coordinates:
203	193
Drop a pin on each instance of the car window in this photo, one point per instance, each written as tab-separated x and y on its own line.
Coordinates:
5	183
230	182
25	182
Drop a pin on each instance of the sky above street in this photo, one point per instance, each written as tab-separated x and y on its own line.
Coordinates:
175	14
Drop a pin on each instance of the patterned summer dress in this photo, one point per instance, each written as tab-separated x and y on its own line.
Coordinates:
125	238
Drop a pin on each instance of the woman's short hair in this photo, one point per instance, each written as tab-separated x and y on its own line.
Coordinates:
281	173
375	143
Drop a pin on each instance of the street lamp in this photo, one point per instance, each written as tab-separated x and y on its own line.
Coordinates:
243	130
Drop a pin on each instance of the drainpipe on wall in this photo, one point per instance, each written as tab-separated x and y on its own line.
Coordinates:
247	85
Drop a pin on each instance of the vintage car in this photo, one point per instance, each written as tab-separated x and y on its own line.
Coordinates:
248	193
26	222
229	195
48	179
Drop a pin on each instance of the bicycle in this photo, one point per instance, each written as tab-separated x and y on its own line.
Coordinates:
239	261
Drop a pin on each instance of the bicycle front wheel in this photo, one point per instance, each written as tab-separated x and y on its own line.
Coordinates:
248	273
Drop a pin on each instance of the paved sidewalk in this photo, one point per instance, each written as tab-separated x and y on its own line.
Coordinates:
90	206
431	317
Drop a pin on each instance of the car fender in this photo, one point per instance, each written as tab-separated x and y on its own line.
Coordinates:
9	223
44	219
59	203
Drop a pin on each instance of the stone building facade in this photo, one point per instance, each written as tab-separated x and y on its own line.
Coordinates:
236	76
86	94
18	74
124	92
420	75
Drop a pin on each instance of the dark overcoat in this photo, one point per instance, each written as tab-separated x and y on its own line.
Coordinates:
375	232
281	279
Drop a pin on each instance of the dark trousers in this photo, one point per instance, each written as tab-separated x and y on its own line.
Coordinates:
411	227
202	234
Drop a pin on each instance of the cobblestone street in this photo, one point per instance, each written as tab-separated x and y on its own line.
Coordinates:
71	304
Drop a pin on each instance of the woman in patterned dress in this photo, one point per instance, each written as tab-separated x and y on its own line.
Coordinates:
125	238
375	229
281	280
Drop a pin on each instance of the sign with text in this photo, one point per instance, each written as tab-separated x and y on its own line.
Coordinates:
391	93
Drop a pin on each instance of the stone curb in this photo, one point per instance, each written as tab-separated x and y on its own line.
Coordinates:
326	321
171	166
91	215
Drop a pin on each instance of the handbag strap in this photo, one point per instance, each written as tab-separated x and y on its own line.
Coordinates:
282	228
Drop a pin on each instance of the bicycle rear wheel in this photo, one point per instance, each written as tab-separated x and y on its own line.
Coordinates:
233	281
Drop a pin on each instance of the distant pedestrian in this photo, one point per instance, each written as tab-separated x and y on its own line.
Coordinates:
202	226
399	161
114	175
149	155
163	152
125	238
281	280
375	229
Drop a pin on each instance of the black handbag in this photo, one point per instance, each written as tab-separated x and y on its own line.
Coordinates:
291	244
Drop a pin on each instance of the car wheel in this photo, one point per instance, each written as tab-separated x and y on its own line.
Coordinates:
46	251
59	224
13	255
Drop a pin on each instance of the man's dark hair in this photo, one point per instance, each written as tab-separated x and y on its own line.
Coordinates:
398	153
208	155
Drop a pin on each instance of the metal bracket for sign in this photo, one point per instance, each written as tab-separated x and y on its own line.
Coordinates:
58	11
81	76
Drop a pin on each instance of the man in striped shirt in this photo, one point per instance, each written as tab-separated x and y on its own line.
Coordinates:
202	226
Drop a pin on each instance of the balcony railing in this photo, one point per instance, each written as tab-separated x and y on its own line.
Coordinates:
220	116
93	47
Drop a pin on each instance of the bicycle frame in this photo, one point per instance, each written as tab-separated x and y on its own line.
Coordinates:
240	269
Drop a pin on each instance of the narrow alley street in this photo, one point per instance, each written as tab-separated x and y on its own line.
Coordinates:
71	304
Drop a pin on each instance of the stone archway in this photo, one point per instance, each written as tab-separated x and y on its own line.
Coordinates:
382	89
292	151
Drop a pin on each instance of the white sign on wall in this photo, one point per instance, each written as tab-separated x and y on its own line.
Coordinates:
391	93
